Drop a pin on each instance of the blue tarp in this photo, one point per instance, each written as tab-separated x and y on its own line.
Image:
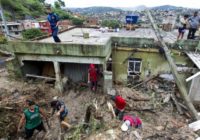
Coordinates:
131	19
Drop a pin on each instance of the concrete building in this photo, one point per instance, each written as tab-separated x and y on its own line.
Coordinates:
120	56
65	24
91	21
14	28
45	27
29	24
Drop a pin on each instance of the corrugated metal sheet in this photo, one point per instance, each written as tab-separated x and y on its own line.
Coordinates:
76	72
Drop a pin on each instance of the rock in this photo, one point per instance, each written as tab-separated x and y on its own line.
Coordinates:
159	128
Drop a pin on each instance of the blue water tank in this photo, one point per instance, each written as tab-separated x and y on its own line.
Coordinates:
131	19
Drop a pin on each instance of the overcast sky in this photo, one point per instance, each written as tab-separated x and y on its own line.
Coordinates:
129	3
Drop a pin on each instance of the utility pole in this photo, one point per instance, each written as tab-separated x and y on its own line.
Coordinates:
4	22
172	65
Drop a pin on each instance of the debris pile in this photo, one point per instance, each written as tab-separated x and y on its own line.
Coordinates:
153	101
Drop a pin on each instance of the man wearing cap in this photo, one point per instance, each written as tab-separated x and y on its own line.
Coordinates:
120	104
32	119
92	77
62	111
131	121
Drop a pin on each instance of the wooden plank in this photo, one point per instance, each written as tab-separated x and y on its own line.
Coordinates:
40	77
193	76
195	125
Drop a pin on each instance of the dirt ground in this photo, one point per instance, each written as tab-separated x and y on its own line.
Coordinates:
150	102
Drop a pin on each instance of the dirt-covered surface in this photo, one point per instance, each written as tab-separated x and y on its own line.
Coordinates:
160	118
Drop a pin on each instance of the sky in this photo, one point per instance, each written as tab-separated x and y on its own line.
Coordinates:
129	3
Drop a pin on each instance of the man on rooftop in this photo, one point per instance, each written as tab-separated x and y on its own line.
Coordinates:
54	22
194	25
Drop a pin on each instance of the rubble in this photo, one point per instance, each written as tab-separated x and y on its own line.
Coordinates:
152	102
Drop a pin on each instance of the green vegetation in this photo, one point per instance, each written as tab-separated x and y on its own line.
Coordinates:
77	21
19	9
62	14
111	23
3	39
32	33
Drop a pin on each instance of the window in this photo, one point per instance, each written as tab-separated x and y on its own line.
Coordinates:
134	66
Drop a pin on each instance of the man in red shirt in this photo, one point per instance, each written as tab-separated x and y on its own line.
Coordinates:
120	104
92	77
130	120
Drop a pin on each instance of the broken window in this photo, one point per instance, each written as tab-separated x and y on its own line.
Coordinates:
134	66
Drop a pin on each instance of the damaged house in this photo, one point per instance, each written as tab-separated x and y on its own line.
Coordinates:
122	57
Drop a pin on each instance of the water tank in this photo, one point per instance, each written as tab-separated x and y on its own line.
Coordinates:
131	19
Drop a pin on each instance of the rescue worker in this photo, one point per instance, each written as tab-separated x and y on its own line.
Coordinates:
120	104
32	117
54	22
62	111
92	77
131	121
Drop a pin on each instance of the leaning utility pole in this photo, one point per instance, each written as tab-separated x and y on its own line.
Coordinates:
4	22
180	84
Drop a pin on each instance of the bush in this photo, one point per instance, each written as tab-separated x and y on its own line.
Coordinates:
77	21
32	33
3	39
111	23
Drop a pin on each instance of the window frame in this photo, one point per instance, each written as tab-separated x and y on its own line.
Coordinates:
134	61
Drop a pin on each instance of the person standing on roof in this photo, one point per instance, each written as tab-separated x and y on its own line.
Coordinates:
120	105
32	118
54	22
194	25
92	77
59	106
182	27
131	121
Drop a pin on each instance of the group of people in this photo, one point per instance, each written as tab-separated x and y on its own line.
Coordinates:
128	120
33	116
191	22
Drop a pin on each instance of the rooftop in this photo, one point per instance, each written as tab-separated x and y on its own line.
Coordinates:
98	37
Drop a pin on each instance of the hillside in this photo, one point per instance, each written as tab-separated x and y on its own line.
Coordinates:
166	7
21	9
94	10
137	8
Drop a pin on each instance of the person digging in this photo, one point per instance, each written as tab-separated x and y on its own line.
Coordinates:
62	111
131	121
32	119
120	104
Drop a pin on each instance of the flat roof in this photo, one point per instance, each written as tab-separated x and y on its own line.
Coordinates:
98	37
195	57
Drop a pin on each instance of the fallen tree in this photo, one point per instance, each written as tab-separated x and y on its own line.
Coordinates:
172	65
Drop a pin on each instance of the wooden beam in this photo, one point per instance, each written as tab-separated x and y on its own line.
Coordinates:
180	84
193	76
40	77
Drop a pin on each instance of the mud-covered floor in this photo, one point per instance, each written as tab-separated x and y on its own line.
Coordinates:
149	102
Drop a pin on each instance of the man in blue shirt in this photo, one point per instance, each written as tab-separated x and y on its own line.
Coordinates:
194	25
54	21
